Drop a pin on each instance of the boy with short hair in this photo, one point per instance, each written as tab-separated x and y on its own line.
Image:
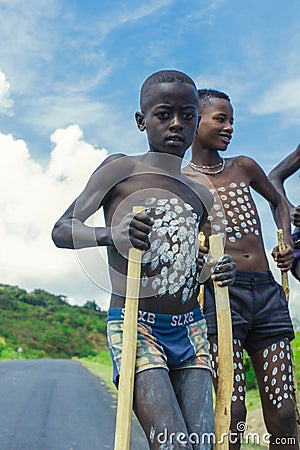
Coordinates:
287	167
260	317
172	393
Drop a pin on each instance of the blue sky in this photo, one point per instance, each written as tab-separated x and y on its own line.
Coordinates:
70	73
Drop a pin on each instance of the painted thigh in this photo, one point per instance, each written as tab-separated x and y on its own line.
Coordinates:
193	389
158	411
238	408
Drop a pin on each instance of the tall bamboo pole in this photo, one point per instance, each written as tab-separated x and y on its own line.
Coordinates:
225	355
127	370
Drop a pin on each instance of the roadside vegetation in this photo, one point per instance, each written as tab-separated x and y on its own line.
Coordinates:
38	324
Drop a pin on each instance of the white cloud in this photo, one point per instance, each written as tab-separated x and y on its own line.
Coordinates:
229	79
125	13
207	11
281	97
6	102
31	200
48	113
28	39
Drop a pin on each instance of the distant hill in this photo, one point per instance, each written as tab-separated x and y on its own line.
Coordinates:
44	325
41	325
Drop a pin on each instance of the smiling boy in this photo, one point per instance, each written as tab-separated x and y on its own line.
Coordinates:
172	391
260	317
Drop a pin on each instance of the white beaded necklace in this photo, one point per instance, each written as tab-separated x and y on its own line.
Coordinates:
200	168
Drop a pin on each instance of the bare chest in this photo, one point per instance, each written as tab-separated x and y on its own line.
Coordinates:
234	213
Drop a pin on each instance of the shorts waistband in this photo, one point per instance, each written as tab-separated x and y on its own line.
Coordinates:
160	320
254	277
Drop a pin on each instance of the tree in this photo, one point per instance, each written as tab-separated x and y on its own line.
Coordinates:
91	304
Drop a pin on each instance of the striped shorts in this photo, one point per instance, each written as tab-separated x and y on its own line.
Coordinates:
163	341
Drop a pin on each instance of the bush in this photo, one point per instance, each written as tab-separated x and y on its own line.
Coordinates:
251	382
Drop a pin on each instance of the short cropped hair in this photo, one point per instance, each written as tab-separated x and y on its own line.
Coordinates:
206	95
163	76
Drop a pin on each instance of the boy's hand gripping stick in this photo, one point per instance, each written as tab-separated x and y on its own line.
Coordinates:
225	354
128	359
284	275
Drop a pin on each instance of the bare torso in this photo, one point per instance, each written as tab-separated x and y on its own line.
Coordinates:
169	271
234	214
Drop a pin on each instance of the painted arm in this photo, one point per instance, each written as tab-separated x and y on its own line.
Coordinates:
287	167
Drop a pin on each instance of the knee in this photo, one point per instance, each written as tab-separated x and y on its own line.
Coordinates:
282	422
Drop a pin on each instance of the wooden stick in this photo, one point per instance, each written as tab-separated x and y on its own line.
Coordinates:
284	275
225	355
201	241
127	370
285	286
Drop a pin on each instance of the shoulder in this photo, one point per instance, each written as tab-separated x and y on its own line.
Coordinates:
115	160
115	166
244	164
243	161
109	173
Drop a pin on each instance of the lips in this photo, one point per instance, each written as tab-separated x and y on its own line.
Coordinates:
225	137
175	138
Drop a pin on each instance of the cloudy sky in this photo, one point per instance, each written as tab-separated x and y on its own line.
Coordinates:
70	74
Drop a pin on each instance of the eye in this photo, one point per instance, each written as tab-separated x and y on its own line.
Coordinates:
162	115
188	116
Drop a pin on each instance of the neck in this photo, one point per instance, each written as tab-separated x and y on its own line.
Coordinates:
163	161
203	157
209	165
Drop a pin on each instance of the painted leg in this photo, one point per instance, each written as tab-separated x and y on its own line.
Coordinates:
157	409
193	389
273	369
238	407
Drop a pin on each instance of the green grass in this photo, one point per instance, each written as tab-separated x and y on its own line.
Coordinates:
101	366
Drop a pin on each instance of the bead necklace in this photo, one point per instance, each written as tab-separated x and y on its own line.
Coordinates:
200	168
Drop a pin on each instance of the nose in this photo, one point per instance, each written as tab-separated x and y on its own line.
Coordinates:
176	123
228	127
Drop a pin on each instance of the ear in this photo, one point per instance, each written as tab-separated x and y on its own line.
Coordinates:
199	118
140	121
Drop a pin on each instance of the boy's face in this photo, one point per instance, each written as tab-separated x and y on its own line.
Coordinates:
170	117
216	125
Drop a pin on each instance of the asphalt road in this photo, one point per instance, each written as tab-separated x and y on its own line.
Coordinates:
57	405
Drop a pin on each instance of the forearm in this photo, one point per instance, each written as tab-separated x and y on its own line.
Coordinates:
73	234
277	181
